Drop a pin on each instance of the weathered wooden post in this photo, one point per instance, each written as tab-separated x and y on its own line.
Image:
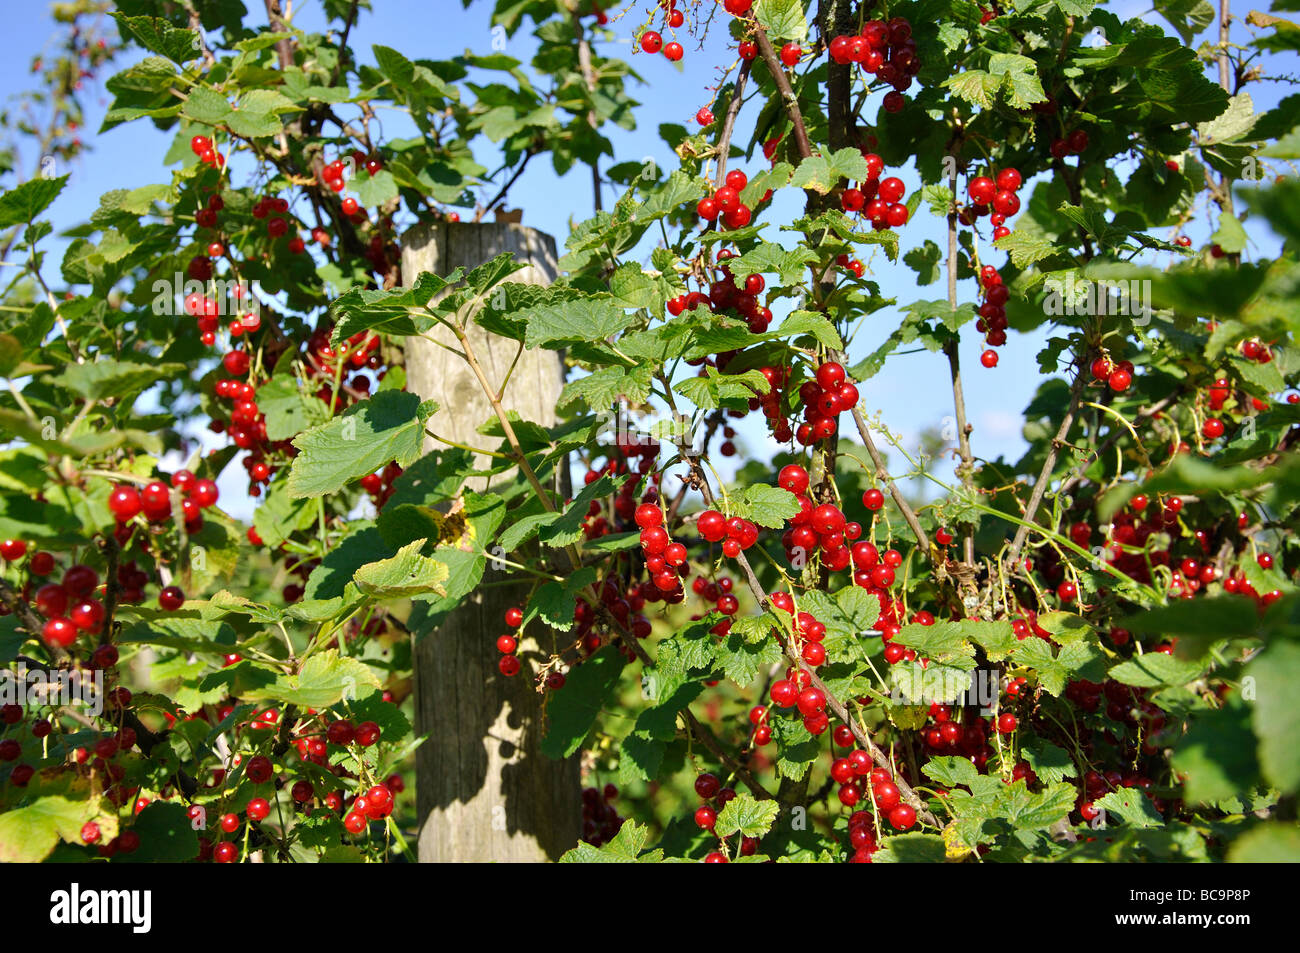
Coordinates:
485	792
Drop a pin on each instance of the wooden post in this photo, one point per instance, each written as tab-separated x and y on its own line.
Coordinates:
484	790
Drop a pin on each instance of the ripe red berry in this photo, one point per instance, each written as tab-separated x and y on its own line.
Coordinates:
981	190
649	515
514	617
1006	723
712	525
125	503
793	478
902	817
892	190
368	733
259	809
989	358
873	499
12	550
59	631
673	51
171	598
830	376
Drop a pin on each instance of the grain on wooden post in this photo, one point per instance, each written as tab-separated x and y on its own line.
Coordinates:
484	790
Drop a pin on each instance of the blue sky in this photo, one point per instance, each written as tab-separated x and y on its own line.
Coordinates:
912	392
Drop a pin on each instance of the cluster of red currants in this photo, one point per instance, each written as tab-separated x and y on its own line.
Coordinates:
332	173
992	322
725	201
665	559
653	42
830	394
508	644
206	150
879	201
1253	349
814	529
735	534
600	819
1118	376
996	199
1071	145
885	795
886	50
724	295
207	313
620	461
771	403
155	501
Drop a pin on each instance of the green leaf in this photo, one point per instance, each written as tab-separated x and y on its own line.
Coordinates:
1156	668
374	190
1267	844
569	322
207	107
166	835
765	505
368	436
998	639
157	35
1131	806
573	709
28	834
783	19
23	203
398	312
1025	248
625	848
1276	672
747	816
975	86
1188	17
942	642
1216	755
742	660
1216	616
912	848
1020	79
405	575
1229	236
325	679
951	771
287	410
823	173
1050	763
1081	659
796	748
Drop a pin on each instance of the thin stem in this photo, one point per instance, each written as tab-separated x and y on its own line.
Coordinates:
909	514
783	87
1049	464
